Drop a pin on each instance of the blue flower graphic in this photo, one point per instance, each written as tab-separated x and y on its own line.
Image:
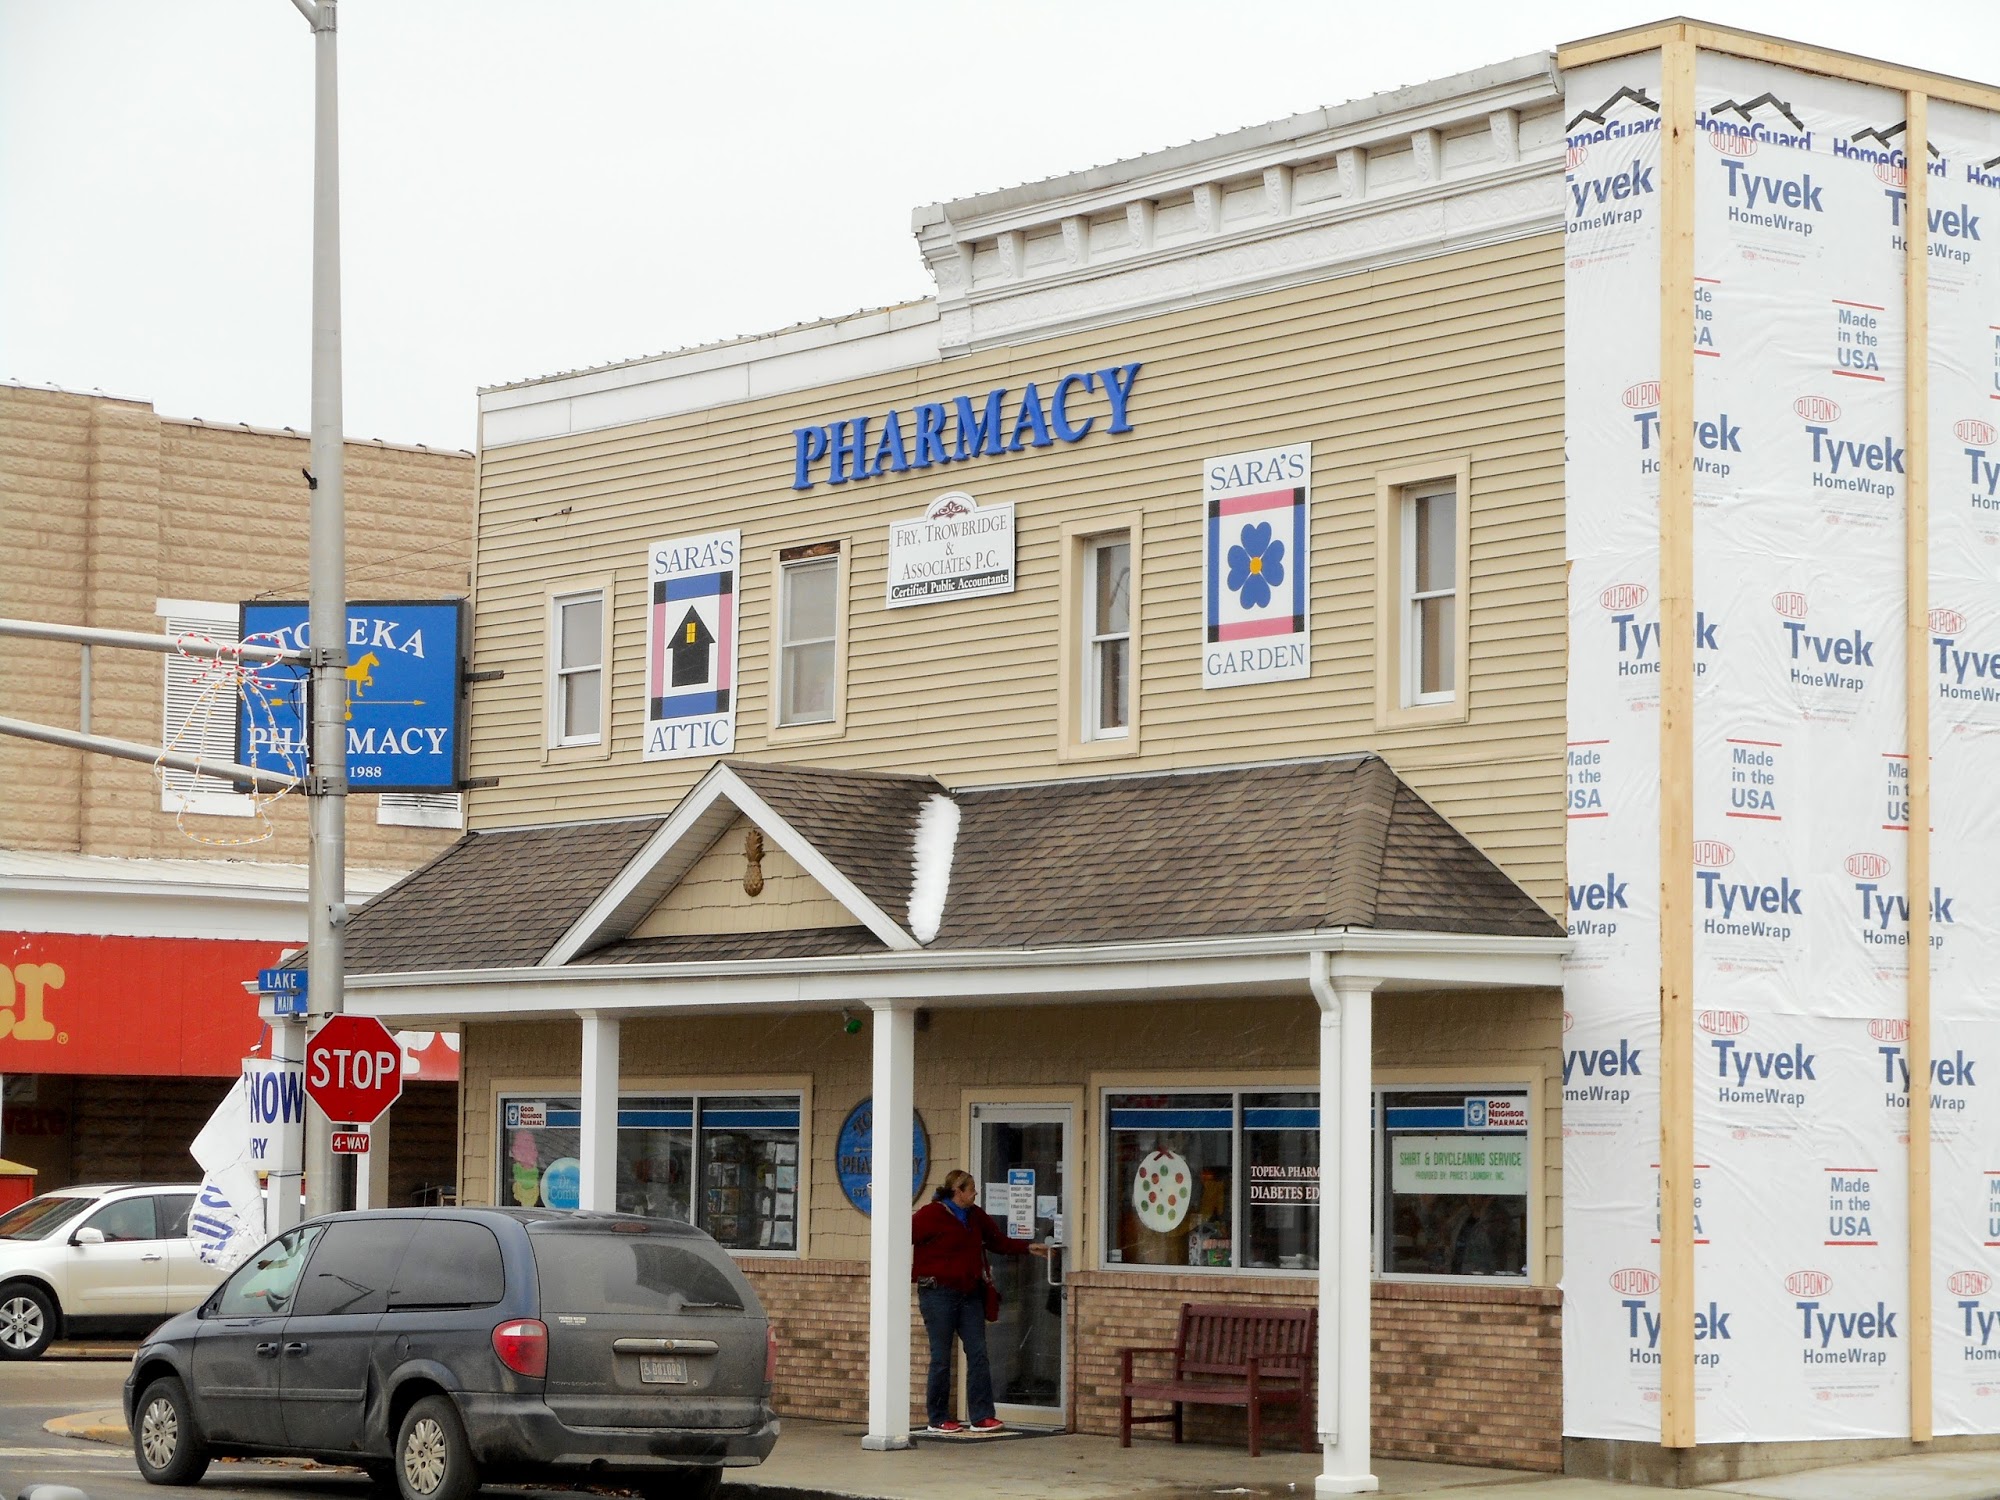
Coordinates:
1256	567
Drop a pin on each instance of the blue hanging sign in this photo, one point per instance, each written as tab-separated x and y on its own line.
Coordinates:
402	693
854	1153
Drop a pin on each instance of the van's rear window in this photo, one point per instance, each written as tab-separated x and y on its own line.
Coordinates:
606	1273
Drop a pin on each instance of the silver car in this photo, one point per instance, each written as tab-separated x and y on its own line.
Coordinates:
105	1259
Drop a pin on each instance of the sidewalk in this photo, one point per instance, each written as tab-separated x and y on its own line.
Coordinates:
825	1459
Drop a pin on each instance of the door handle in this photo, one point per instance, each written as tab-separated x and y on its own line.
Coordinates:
149	1257
267	1351
1050	1261
295	1347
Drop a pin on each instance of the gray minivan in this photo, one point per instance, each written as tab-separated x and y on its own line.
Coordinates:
440	1348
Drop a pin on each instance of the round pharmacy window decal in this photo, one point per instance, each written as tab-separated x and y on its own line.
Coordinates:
1163	1190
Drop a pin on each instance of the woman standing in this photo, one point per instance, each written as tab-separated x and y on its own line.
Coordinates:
949	1238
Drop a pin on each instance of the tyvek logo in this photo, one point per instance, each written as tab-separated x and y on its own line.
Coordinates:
1838	661
1634	1285
1843	463
1861	1332
1595	904
1715	437
1639	640
1954	1072
1968	1287
1593	1075
1738	1066
1723	1022
1880	908
1982	471
1772	201
1611	200
1965	674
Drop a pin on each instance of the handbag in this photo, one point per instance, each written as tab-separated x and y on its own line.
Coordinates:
992	1290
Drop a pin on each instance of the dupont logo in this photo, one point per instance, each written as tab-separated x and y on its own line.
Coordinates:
1817	408
1728	143
1968	1283
1889	170
1947	621
1642	397
1890	1028
1635	1281
1713	854
1577	156
1723	1022
1808	1283
1972	430
1623	596
1792	605
1568	1021
1866	866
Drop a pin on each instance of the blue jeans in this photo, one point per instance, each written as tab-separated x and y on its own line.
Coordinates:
962	1313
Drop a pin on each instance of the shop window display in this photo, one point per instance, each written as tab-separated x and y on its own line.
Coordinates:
1172	1159
736	1175
1454	1183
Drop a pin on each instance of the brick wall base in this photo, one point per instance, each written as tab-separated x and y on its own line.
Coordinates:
1462	1374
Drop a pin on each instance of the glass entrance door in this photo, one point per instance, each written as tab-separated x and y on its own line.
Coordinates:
1021	1157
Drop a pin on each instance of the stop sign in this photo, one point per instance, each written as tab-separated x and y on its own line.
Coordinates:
354	1069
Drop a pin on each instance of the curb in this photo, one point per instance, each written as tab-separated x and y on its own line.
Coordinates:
107	1426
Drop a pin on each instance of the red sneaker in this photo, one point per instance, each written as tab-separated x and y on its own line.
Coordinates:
946	1428
991	1424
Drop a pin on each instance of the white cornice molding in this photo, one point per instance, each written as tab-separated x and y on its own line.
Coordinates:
1269	966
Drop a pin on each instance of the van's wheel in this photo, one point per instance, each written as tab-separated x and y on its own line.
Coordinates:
702	1483
27	1321
433	1460
165	1440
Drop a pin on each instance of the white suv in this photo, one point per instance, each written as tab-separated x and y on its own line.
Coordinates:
105	1260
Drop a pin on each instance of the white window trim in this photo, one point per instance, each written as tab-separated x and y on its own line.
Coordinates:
1397	704
514	1089
1075	677
183	790
556	745
1406	1081
1413	599
420	809
806	730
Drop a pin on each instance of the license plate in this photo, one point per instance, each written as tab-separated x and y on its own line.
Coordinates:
663	1370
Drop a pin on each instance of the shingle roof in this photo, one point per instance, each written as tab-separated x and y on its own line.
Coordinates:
863	822
1286	847
725	947
492	900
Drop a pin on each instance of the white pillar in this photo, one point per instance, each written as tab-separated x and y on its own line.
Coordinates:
598	1150
895	1031
371	1168
1346	1122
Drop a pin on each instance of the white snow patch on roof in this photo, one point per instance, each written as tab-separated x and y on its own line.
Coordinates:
930	879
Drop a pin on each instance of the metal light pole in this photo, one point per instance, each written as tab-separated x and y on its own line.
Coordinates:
326	785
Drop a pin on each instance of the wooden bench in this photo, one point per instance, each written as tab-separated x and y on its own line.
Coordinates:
1230	1356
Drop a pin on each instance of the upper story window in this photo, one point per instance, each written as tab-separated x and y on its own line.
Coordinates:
199	717
1430	594
809	635
1423	557
576	668
1107	667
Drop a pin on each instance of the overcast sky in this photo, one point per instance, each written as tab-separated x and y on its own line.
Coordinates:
532	186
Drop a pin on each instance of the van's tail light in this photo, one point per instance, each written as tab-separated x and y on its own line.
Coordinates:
770	1354
523	1346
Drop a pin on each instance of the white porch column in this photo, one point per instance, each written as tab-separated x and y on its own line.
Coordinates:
371	1167
597	1153
895	1029
1346	1120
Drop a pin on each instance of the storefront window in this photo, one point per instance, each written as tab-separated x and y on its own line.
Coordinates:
745	1158
1454	1176
1281	1181
1171	1180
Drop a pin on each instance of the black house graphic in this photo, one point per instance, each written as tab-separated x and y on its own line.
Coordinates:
692	644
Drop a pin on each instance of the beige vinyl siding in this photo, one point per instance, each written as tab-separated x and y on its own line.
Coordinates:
711	898
1461	354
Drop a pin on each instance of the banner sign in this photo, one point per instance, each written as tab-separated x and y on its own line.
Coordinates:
1256	532
227	1221
957	549
403	709
691	645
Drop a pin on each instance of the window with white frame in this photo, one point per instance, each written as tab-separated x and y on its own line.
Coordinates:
199	716
1107	636
420	810
1430	594
808	634
729	1163
576	668
1227	1179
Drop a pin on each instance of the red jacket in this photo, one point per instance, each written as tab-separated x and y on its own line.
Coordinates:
950	1253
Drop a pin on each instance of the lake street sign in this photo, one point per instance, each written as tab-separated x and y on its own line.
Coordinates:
282	981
